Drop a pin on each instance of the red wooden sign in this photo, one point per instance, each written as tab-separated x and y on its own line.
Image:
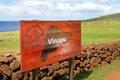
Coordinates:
46	42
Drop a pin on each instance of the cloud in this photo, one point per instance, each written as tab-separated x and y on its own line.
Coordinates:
55	9
106	2
85	7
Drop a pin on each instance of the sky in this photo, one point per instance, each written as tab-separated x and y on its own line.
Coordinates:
12	10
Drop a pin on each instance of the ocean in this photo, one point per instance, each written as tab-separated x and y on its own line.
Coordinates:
6	26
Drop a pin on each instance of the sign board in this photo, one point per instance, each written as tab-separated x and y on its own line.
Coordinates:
46	42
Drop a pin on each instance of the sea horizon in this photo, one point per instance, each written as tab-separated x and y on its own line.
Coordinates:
6	26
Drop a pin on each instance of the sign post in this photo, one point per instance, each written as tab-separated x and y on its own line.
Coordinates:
71	69
35	74
46	42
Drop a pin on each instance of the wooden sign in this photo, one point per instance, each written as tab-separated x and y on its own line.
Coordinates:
46	42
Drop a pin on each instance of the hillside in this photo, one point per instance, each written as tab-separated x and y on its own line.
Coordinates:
110	17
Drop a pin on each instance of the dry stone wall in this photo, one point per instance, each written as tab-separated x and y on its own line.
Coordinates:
91	57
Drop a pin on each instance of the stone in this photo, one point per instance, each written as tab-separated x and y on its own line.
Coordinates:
60	72
31	75
50	70
47	78
8	55
15	64
44	67
3	77
64	64
11	58
42	73
0	73
56	66
5	69
3	60
16	75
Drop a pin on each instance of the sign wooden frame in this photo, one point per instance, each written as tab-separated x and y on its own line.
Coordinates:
53	40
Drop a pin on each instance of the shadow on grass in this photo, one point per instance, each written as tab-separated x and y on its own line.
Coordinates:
80	76
83	75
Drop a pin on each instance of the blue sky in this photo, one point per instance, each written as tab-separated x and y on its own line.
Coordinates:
11	10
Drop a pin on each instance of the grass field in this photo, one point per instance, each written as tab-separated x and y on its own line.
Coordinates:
105	31
9	42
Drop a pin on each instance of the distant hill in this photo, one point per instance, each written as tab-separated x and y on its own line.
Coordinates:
115	16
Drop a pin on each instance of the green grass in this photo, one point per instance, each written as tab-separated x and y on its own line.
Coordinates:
9	42
105	31
99	73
